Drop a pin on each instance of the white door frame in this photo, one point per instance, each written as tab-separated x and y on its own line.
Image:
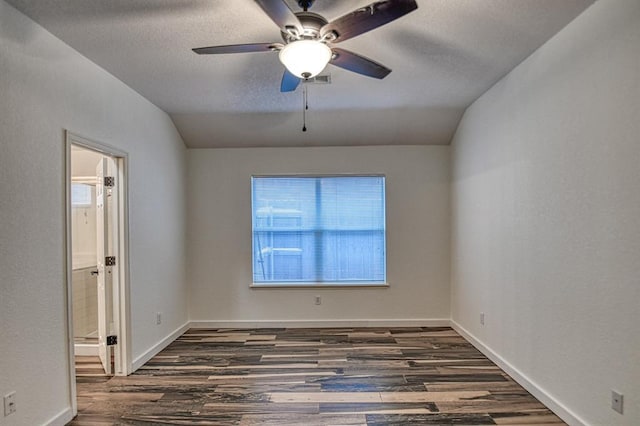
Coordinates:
122	310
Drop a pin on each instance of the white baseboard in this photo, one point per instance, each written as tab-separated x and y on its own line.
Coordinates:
85	349
553	404
64	417
556	406
422	322
155	349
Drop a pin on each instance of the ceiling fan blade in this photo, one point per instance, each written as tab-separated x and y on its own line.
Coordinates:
289	82
367	18
238	48
359	64
280	13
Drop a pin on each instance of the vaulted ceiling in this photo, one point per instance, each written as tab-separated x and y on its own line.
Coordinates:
444	55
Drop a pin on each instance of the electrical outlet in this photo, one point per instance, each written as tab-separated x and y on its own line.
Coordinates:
616	401
10	403
158	318
482	318
318	300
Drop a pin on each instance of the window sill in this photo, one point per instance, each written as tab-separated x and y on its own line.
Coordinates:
318	285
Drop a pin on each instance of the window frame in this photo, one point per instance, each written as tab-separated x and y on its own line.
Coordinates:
321	284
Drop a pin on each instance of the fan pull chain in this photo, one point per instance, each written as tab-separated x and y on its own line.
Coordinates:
305	107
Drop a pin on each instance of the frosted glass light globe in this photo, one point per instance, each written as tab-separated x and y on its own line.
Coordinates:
305	58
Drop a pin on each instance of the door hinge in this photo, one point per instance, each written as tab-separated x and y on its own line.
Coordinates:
109	181
112	340
110	261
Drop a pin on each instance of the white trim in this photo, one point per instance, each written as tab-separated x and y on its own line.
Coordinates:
417	322
536	390
155	349
122	311
62	418
124	306
88	180
104	148
311	285
85	349
73	400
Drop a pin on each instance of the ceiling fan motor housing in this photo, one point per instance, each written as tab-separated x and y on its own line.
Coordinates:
311	24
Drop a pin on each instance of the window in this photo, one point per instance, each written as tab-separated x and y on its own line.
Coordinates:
81	195
318	230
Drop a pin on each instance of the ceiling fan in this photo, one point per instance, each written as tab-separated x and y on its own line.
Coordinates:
309	38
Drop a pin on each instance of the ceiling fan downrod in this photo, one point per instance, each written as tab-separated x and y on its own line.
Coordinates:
305	4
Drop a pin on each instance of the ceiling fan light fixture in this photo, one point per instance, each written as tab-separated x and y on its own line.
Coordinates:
305	58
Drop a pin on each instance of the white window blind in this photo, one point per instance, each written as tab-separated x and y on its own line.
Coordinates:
319	229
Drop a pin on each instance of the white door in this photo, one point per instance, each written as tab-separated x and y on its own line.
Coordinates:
105	198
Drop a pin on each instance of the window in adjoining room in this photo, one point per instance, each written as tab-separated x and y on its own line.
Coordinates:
81	195
318	230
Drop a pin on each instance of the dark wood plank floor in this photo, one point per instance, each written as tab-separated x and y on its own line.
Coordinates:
354	376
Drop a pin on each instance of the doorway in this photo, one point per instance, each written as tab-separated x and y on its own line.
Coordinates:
97	269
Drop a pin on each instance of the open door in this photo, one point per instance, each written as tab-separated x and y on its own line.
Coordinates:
105	207
92	161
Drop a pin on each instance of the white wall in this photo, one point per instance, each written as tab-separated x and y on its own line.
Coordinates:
84	162
46	87
417	236
546	215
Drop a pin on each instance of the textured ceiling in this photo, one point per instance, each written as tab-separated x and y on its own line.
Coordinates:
443	56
